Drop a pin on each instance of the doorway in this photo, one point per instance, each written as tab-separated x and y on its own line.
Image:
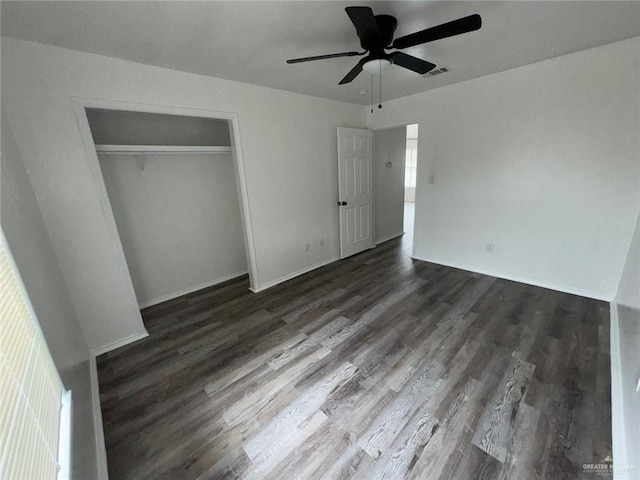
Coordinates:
411	168
393	176
395	167
389	172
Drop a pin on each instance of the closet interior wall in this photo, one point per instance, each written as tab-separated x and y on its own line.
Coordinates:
175	202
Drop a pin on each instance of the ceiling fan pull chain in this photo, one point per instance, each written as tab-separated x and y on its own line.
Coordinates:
371	93
380	86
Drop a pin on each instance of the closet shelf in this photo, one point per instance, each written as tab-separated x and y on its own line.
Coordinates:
158	149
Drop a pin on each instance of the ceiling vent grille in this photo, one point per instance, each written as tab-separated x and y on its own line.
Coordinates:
436	71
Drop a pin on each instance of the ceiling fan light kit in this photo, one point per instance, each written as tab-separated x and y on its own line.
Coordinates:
376	66
376	37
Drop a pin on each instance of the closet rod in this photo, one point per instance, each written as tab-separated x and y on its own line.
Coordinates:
158	149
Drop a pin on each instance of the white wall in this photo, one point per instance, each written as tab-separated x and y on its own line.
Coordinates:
625	363
30	246
541	160
288	142
178	219
388	183
27	237
113	127
628	293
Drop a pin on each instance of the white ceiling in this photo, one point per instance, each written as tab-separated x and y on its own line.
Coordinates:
249	41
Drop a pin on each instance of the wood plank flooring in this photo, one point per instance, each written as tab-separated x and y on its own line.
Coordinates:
377	366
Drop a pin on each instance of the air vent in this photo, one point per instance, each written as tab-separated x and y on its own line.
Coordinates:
437	71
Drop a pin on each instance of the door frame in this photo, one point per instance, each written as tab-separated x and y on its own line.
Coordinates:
80	104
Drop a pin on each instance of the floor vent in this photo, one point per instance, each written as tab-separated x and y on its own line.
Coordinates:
436	71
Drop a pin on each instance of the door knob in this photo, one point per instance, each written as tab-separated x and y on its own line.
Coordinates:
342	203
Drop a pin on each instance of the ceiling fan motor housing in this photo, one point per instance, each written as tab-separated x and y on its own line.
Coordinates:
376	42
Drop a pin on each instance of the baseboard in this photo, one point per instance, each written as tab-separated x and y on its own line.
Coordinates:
101	450
195	288
619	432
65	438
119	343
618	435
273	283
515	278
390	237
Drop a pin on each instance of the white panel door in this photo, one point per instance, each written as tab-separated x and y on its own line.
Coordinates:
355	197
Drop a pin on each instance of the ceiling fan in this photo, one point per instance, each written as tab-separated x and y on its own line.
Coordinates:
376	36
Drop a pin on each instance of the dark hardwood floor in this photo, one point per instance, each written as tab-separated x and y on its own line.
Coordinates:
377	366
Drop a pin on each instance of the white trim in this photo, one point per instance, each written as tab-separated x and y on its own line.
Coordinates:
98	429
81	103
195	288
245	207
618	434
65	438
390	237
157	149
302	271
515	278
107	212
96	352
396	125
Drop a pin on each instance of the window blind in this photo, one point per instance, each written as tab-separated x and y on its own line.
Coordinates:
30	388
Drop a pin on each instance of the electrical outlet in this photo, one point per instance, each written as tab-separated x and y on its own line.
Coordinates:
432	179
307	247
490	248
322	242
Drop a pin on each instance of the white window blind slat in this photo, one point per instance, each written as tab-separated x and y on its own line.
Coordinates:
8	409
30	388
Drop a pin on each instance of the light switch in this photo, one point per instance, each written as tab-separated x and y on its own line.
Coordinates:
432	179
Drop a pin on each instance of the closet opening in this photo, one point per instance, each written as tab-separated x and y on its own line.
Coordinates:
174	186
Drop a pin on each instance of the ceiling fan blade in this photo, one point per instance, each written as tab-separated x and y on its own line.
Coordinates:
412	63
322	57
353	73
364	21
449	29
